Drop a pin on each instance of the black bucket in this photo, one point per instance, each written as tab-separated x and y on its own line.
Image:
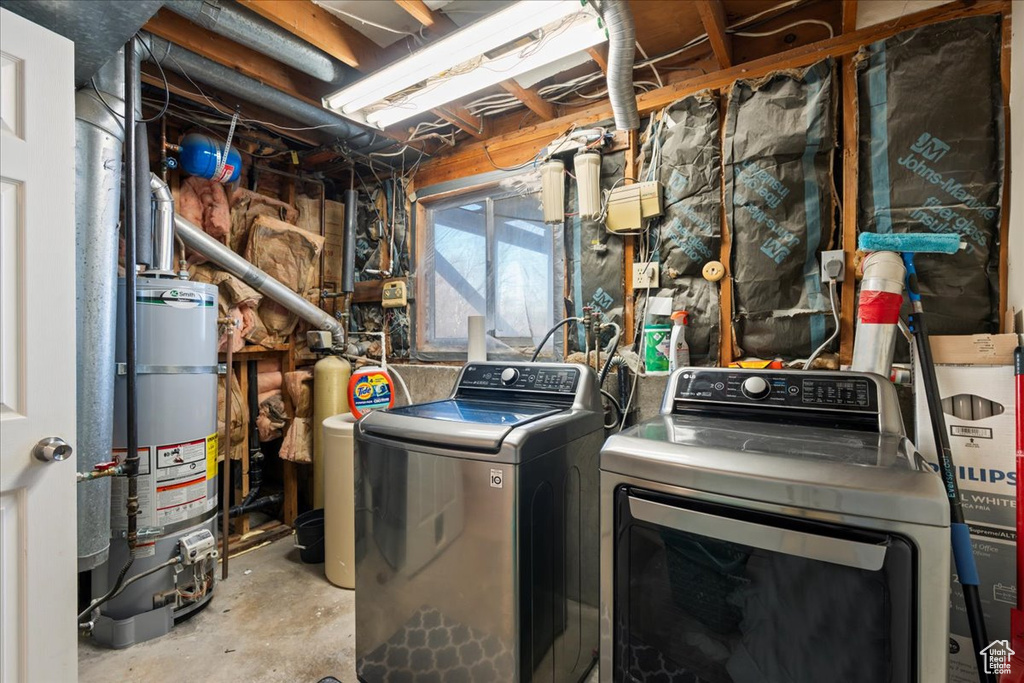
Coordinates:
309	536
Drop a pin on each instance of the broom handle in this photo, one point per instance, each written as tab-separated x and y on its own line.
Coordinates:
963	553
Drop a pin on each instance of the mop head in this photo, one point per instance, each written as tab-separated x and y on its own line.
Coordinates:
909	242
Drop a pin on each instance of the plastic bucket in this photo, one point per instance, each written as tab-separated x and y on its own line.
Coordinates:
309	536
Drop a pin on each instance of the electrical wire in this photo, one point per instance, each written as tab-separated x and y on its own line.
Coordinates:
657	76
382	27
835	332
748	34
163	76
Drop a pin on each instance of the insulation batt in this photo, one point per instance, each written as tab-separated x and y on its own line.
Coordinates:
205	203
272	417
299	385
268	381
239	418
298	442
246	207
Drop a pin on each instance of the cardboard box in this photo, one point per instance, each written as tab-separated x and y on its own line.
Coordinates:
975	376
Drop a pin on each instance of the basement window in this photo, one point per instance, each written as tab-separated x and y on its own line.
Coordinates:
488	253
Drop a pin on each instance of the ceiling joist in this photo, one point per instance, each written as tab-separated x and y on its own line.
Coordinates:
712	15
419	11
319	27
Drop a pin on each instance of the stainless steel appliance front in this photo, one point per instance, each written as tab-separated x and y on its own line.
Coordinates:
477	541
743	541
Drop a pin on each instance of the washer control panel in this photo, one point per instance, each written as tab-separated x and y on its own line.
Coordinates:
521	377
785	389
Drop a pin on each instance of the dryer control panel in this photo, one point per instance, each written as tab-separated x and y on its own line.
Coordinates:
792	390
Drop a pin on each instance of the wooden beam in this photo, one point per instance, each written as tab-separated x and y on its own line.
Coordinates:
726	335
849	215
459	116
319	27
712	15
1005	321
531	99
521	145
849	16
419	11
599	53
180	31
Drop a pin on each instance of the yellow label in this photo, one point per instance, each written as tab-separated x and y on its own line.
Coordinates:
211	456
295	159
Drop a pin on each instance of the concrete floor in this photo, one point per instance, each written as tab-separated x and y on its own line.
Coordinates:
274	619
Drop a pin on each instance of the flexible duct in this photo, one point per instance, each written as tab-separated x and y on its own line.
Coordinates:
621	49
197	240
99	136
163	225
244	26
186	63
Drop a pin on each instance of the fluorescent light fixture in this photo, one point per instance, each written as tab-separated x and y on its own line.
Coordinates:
564	37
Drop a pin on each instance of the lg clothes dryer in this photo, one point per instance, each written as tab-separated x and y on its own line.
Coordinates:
772	526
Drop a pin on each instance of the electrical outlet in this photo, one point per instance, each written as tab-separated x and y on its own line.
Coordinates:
645	274
833	266
394	294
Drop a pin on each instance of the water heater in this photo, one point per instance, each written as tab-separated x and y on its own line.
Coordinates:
176	324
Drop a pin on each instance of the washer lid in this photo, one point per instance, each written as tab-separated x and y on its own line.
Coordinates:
831	470
469	424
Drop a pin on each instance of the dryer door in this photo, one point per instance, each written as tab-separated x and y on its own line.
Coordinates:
706	592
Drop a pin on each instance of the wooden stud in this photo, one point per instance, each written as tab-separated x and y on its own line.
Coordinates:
241	523
725	304
629	248
849	16
460	117
712	15
419	11
319	27
289	469
850	159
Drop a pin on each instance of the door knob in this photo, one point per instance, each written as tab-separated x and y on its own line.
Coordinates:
52	449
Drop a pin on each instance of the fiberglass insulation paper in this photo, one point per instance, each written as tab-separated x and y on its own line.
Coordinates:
689	233
931	159
594	257
779	140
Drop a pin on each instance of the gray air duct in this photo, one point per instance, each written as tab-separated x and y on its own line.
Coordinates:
98	28
163	225
99	136
197	240
231	20
186	63
621	48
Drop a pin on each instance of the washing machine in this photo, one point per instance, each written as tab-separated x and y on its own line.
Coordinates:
477	530
772	526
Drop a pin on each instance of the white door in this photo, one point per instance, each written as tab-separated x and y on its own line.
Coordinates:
37	353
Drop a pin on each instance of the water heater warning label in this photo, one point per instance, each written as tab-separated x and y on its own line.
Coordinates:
180	481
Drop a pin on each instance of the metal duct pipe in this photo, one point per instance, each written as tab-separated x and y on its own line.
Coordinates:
244	26
163	225
184	62
621	49
143	207
99	135
197	240
348	253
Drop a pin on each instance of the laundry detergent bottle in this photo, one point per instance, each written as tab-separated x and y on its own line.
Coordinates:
679	352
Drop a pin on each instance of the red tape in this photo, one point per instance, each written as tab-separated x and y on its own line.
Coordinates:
879	308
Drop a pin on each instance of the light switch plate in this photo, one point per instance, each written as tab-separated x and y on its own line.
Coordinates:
645	274
394	294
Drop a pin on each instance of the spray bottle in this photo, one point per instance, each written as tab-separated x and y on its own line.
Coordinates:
679	356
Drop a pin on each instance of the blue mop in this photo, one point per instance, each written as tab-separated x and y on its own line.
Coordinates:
963	554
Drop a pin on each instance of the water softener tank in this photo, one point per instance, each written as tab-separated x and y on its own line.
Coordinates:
330	397
177	427
200	155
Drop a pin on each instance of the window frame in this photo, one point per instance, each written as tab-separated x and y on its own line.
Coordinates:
422	344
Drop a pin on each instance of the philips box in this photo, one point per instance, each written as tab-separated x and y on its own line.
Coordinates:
976	383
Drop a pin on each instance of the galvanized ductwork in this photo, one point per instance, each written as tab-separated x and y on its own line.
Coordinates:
196	239
99	136
185	62
621	49
163	225
244	26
